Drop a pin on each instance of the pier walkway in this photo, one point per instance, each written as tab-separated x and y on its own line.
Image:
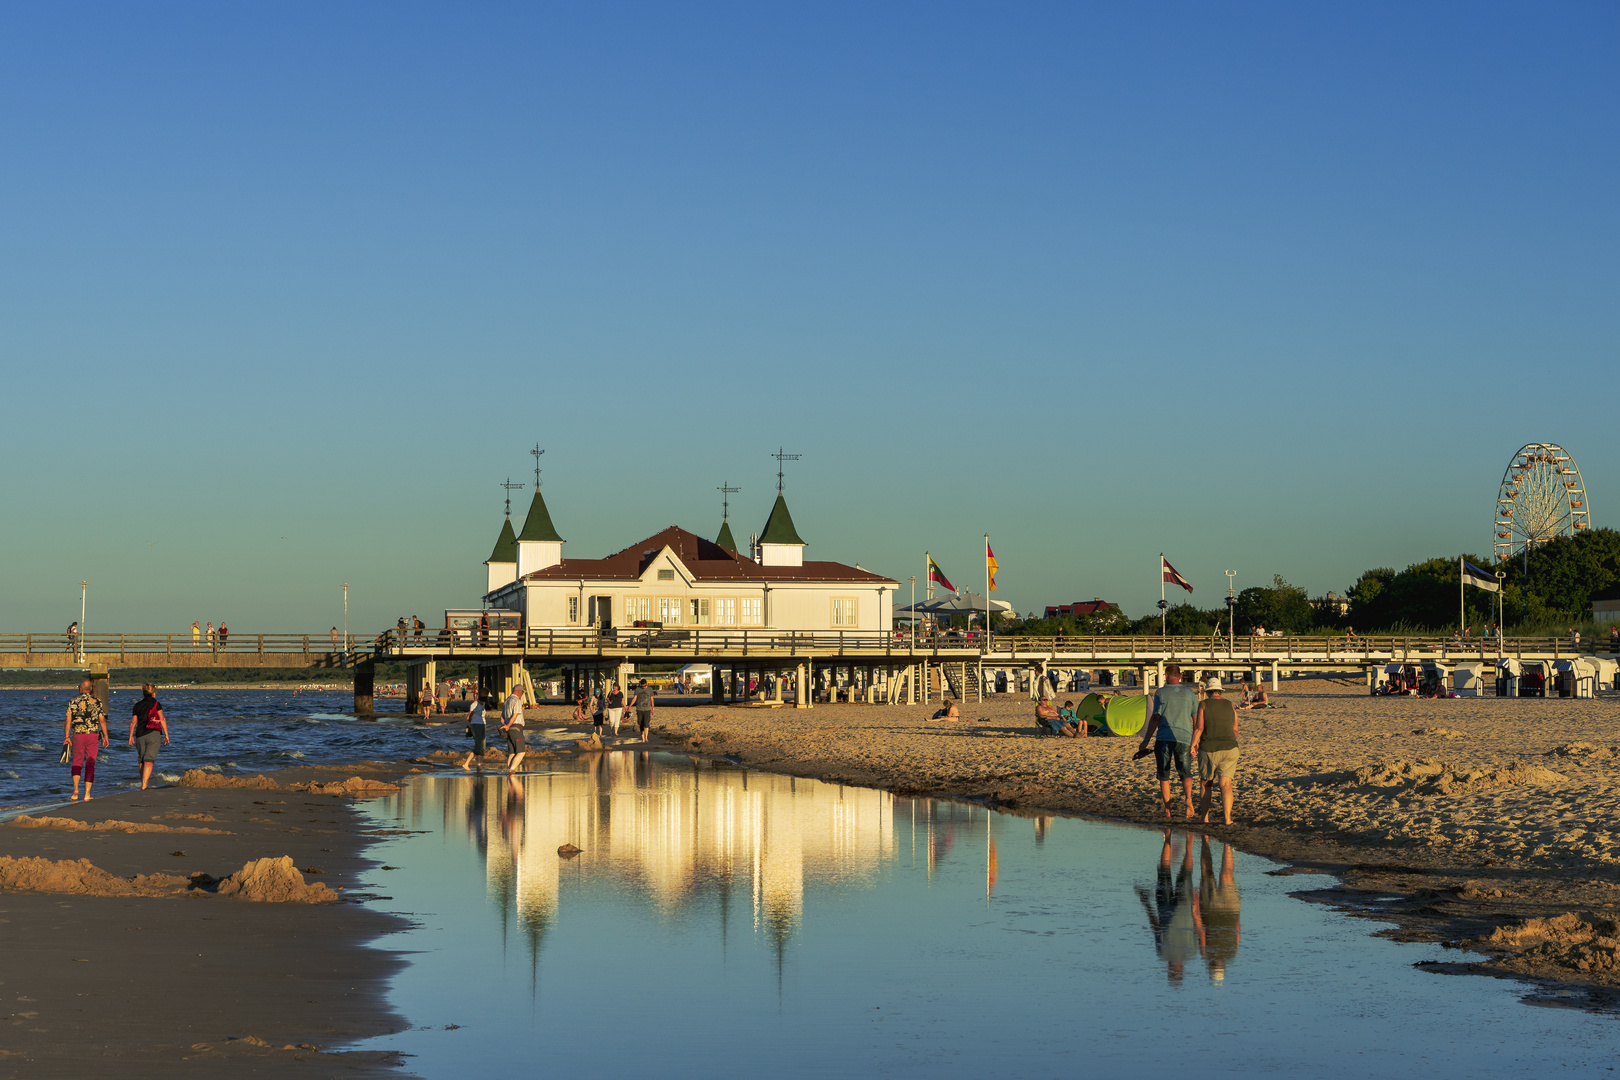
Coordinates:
890	666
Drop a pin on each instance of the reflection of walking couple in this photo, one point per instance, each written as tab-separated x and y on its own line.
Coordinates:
1188	921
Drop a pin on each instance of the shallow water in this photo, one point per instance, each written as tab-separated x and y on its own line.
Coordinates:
234	731
727	922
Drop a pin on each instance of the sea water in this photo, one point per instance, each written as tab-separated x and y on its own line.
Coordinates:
230	731
720	921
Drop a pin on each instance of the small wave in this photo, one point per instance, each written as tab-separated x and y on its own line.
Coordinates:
290	753
31	746
210	768
9	775
169	778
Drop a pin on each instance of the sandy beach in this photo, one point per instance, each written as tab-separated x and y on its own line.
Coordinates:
157	956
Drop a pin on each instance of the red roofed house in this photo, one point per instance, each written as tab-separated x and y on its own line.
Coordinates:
1081	609
678	578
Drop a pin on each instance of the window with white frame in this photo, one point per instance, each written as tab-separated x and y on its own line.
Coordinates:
573	610
843	613
637	608
725	611
753	611
697	610
669	610
666	575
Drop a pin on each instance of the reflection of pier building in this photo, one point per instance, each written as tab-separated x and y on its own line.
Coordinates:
677	833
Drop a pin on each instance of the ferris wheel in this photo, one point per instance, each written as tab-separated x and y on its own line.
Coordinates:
1541	497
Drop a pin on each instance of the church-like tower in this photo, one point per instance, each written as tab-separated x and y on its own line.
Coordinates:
538	545
779	544
501	566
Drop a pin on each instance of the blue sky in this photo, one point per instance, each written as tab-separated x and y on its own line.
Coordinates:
1275	288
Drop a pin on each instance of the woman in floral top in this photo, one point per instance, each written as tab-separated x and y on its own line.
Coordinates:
86	731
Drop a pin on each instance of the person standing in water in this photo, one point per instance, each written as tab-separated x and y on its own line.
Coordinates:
148	728
86	732
1221	932
476	729
512	728
644	706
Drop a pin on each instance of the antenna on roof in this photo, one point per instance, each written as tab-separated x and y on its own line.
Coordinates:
725	499
537	452
781	457
510	487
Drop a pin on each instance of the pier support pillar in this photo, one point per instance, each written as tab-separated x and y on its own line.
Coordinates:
714	683
365	685
101	688
801	694
1274	676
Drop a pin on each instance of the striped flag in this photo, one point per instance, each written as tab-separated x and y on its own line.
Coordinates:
1170	575
937	576
991	564
1482	579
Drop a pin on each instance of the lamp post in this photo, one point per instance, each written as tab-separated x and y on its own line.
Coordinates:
1231	613
345	618
84	591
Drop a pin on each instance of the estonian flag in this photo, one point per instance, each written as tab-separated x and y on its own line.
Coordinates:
1478	578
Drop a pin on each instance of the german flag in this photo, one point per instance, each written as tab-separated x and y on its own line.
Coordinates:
937	576
990	563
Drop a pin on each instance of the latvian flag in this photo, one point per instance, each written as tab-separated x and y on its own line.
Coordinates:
1482	579
1170	575
937	576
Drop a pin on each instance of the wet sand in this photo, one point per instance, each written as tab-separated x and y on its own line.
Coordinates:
173	978
1456	819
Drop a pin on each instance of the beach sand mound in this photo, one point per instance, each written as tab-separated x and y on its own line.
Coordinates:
275	881
82	877
1583	750
1585	943
26	821
1440	732
354	785
197	778
1426	776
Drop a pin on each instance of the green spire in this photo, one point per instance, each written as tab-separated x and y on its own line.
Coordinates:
724	539
538	526
505	546
779	526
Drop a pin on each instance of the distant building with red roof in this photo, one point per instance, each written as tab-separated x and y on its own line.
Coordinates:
1080	609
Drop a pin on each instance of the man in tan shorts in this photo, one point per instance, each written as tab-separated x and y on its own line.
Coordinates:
1215	744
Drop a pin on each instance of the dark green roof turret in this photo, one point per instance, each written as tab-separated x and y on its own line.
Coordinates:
724	539
505	545
779	526
538	526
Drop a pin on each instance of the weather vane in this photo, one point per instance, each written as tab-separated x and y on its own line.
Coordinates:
725	499
780	458
510	487
537	452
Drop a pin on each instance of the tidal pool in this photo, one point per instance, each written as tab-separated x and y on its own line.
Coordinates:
721	921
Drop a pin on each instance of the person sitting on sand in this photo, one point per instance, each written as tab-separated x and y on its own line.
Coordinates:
1255	698
949	712
476	730
1071	725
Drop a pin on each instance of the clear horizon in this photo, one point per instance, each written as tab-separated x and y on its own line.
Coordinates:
290	292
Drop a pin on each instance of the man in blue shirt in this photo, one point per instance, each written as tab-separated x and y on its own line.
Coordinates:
1171	725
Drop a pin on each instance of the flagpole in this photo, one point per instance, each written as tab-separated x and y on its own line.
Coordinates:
1164	610
1462	605
987	586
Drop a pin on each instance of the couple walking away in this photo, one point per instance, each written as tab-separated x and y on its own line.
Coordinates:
85	735
1184	730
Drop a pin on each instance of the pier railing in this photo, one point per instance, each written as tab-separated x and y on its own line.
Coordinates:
182	644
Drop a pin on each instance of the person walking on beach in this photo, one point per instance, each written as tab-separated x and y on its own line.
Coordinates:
148	727
1174	705
615	707
644	706
512	728
476	730
196	636
1215	741
86	732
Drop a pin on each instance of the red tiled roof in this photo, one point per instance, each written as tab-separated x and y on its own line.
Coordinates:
706	560
1082	608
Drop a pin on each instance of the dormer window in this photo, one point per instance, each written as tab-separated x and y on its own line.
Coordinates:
666	575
